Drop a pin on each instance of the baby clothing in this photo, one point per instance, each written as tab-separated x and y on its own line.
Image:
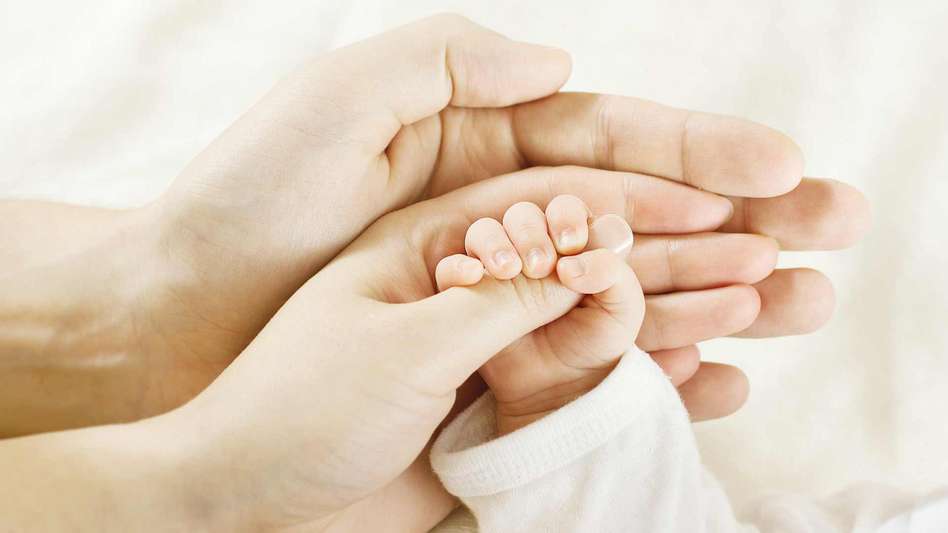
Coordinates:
623	458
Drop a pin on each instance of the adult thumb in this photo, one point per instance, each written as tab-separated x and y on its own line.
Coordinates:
414	71
469	325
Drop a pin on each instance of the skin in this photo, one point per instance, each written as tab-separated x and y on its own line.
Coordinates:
251	452
170	293
125	314
400	369
254	451
552	365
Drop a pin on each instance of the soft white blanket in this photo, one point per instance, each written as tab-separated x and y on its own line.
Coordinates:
104	103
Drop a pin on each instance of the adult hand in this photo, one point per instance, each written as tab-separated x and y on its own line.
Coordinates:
339	394
407	115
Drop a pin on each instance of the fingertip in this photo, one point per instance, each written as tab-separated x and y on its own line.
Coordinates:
714	211
781	158
556	62
568	221
745	308
520	212
570	269
735	389
487	240
738	308
527	229
775	162
679	364
539	263
824	293
491	70
589	272
564	62
733	156
794	301
612	233
760	256
820	214
458	271
839	197
715	391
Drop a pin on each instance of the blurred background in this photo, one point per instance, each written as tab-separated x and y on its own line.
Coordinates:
104	103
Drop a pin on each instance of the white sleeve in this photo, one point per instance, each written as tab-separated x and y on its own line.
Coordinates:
619	458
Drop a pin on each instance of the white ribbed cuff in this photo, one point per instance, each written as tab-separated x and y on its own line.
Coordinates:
470	462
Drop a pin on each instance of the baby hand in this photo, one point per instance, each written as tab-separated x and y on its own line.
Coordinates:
558	362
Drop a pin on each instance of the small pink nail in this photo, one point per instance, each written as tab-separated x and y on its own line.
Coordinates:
535	258
568	239
503	258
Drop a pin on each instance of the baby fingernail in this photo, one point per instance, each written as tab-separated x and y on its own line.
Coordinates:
503	257
535	258
568	239
611	232
573	267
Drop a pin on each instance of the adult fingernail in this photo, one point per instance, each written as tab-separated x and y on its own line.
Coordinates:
611	232
573	267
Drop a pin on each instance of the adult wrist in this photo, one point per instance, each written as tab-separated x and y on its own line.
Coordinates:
174	458
123	477
218	475
71	318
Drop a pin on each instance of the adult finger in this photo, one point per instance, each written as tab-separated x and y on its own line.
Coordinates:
679	364
819	214
613	233
659	206
684	318
411	72
714	391
793	301
666	263
436	228
472	324
788	302
723	154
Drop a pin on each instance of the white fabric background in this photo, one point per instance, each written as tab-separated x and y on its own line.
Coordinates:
105	103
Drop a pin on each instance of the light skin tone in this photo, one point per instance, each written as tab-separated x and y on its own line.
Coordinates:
397	368
552	365
268	446
130	313
170	293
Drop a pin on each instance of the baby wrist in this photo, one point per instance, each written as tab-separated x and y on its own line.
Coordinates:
472	461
